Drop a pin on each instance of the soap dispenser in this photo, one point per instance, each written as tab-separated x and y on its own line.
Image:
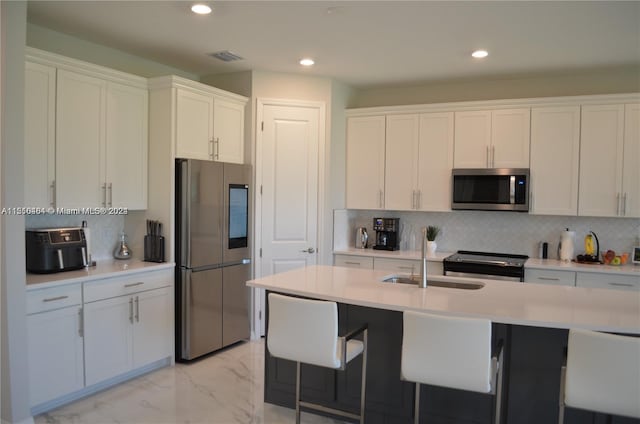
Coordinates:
122	250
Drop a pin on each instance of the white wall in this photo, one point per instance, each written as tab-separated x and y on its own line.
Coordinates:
622	79
15	390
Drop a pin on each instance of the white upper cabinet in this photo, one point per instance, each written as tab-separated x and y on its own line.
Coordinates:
86	135
492	138
401	161
209	126
80	140
609	160
435	159
126	146
631	162
365	162
555	155
194	124
39	135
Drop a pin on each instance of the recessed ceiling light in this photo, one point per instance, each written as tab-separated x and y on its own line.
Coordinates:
201	9
307	62
479	54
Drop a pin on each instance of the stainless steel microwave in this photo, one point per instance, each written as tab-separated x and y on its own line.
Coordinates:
496	189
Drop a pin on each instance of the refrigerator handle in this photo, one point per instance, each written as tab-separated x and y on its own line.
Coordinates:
185	224
186	312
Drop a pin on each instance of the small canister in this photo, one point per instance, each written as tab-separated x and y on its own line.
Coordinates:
543	250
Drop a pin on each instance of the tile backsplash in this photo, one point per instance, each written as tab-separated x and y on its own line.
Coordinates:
503	232
105	229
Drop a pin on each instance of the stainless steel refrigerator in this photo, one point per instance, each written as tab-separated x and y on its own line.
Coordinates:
213	262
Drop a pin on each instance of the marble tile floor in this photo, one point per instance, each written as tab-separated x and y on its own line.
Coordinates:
225	388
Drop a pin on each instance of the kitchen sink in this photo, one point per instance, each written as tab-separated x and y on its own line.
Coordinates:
415	279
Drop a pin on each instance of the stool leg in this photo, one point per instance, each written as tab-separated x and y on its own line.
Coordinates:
563	376
297	392
416	412
364	378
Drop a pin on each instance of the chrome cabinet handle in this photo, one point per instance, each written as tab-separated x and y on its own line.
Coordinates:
53	299
624	204
110	188
131	310
618	204
408	268
493	156
309	250
80	323
216	146
621	284
211	148
548	279
139	283
487	157
381	198
104	195
53	193
419	199
351	263
413	199
137	310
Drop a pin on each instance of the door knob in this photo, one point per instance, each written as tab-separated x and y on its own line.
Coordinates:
309	250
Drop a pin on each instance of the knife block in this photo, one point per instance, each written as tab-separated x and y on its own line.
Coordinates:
153	248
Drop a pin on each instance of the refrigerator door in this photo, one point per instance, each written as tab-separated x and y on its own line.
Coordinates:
237	213
235	310
201	321
200	213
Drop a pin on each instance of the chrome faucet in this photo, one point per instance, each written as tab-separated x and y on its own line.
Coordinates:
423	272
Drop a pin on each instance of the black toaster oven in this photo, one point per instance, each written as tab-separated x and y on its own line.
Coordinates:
55	249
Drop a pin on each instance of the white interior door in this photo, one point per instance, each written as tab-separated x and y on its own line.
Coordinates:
287	158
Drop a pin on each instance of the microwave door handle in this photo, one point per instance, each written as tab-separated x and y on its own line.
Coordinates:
512	189
85	261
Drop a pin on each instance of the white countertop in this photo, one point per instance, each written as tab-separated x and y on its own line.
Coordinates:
103	269
500	301
532	263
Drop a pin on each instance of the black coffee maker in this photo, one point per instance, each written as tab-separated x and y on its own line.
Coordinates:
386	233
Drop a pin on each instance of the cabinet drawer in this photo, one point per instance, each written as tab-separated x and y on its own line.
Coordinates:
607	281
53	298
353	261
398	265
555	278
119	286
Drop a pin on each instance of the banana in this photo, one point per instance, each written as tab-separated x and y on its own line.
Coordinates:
589	247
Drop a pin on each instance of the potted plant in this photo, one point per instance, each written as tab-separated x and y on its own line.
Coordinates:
432	233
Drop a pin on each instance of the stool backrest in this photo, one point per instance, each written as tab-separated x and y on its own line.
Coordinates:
603	373
303	330
447	351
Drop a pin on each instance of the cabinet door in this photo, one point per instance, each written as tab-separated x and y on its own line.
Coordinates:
401	162
194	125
510	138
365	162
39	135
126	146
108	338
631	163
550	277
55	354
472	139
228	131
398	265
601	149
555	154
435	160
152	326
350	261
80	133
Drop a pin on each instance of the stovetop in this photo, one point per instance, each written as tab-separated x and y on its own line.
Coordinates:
488	258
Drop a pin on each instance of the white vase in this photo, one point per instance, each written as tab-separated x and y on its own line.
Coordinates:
431	248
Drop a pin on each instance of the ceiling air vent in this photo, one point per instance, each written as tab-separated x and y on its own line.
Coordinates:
226	56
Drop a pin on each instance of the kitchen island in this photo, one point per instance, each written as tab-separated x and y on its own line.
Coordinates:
533	320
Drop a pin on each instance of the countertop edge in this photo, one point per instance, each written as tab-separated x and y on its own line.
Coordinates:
104	269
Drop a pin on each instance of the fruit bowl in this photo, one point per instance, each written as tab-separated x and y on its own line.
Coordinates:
610	258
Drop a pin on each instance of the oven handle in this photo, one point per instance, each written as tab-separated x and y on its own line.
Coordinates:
483	262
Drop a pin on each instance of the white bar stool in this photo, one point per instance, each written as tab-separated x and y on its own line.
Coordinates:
306	331
451	352
602	374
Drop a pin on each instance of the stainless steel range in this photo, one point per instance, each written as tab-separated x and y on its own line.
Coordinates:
499	266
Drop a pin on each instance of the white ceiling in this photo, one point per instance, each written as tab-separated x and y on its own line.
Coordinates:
363	43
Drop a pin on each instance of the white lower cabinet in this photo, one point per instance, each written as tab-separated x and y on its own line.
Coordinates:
607	281
405	266
126	332
54	340
353	261
550	277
